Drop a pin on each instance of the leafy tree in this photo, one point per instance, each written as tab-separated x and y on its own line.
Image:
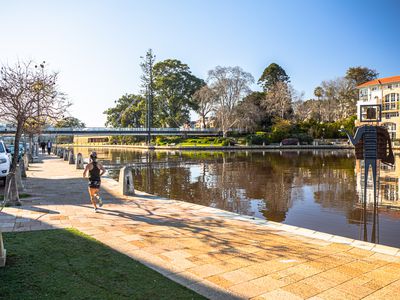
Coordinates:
317	105
356	76
318	92
231	85
70	122
273	74
359	75
174	86
129	111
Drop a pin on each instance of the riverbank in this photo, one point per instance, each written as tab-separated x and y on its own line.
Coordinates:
216	148
218	254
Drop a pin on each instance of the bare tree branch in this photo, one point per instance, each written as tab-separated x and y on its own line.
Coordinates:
230	85
29	98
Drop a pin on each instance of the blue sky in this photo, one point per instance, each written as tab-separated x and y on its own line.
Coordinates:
96	45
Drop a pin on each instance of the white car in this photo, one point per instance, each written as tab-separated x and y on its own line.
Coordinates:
5	162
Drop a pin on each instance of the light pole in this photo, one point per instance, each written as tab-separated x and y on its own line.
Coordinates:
148	115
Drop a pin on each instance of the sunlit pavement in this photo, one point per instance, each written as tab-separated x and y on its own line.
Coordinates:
218	254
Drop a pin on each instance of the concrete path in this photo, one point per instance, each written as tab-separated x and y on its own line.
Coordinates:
218	254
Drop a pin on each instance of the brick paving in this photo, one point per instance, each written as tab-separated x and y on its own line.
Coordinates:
218	254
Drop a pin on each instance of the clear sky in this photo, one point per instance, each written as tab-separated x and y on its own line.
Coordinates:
96	45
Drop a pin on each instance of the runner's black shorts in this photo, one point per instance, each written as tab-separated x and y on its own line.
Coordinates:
94	184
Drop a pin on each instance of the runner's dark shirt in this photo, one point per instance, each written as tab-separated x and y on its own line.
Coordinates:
94	174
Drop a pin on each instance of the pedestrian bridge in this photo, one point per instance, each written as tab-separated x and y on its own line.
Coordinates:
101	131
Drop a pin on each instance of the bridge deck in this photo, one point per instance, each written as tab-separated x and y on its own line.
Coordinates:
97	131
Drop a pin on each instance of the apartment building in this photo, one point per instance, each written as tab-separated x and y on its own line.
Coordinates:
386	92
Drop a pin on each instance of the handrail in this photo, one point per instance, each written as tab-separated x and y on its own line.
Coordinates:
116	129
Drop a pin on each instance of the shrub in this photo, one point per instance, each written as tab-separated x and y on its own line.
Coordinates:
257	139
303	138
164	140
161	140
280	130
242	141
227	142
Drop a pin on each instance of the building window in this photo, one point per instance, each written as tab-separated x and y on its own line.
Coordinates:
391	127
363	94
390	115
391	101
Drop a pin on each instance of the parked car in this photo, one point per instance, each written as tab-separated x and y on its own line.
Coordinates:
21	150
290	141
5	162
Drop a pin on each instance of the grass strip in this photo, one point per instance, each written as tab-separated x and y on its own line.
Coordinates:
67	264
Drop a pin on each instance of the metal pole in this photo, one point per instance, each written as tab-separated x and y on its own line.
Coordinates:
148	118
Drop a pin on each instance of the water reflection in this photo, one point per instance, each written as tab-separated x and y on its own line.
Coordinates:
320	190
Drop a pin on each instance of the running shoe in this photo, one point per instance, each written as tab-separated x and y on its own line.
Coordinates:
100	201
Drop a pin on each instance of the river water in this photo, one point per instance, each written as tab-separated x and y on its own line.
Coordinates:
320	190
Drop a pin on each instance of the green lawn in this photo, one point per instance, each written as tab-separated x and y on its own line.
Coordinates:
66	264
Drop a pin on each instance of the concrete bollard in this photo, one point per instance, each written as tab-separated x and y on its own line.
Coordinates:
30	158
79	161
65	153
3	252
18	178
126	181
22	168
71	157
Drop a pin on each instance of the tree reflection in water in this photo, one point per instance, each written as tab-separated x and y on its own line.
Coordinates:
320	190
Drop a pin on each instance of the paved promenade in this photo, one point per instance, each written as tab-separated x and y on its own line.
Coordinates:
218	254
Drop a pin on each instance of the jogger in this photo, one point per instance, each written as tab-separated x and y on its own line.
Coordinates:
96	170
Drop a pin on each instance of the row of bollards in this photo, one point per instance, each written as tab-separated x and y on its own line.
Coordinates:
68	155
126	185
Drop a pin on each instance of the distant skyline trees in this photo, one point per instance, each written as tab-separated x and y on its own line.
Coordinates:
226	100
174	86
273	74
129	111
336	99
69	122
166	95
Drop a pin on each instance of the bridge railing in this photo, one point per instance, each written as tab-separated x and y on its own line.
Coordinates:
122	129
